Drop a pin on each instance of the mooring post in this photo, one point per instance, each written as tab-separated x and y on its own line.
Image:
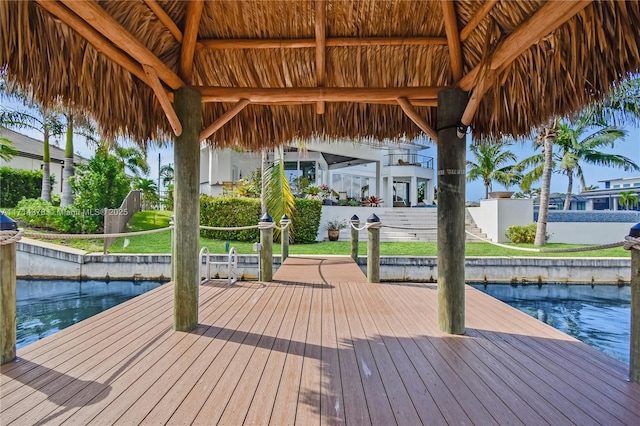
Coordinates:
9	229
373	248
451	210
284	236
355	223
634	343
266	243
185	263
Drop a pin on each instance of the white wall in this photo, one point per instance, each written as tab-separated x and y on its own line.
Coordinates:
35	164
494	216
587	232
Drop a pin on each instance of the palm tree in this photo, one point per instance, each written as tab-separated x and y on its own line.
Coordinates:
166	174
83	126
277	195
45	122
575	149
132	160
628	199
492	165
7	151
149	192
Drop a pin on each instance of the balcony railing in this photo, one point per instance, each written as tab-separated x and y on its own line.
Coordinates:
408	160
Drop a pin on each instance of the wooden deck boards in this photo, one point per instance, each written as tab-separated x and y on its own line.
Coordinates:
320	346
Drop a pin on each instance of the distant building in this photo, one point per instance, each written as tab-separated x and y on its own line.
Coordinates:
607	198
29	156
392	171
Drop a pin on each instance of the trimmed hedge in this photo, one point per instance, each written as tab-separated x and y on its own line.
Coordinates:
38	213
16	184
230	211
306	221
234	211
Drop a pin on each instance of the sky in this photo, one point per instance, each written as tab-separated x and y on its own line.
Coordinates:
630	148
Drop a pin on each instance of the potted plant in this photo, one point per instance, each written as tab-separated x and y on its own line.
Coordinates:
333	228
373	201
313	193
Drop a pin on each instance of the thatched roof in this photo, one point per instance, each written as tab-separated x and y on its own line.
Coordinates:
423	45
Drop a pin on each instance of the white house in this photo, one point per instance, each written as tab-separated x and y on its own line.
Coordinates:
391	171
29	156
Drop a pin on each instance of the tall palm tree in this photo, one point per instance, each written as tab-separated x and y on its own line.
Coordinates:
492	163
149	191
76	125
44	121
277	194
132	159
577	144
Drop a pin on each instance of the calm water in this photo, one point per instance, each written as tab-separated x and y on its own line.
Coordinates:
599	316
47	306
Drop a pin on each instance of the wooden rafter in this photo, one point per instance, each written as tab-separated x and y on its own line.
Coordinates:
97	18
161	95
165	19
96	39
453	38
411	112
223	119
194	12
477	18
283	95
549	17
321	34
477	94
302	43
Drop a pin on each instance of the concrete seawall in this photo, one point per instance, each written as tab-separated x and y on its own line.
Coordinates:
36	259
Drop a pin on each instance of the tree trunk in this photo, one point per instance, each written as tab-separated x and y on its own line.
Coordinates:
548	138
45	193
67	195
567	197
486	191
263	190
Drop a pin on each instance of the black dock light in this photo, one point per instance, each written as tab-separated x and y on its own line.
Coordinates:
373	219
266	218
635	231
355	218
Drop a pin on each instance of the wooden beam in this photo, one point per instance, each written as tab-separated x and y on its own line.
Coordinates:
97	40
165	19
302	43
102	22
223	119
477	94
194	13
411	112
259	95
453	38
477	18
165	103
321	34
548	18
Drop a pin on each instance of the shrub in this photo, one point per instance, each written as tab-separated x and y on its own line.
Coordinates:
16	184
523	234
38	213
306	221
230	211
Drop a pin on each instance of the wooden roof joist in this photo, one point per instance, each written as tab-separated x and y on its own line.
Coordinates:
283	95
302	43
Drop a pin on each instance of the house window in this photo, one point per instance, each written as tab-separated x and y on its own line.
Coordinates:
626	185
616	186
636	184
581	205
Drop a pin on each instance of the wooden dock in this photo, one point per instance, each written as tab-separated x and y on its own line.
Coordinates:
318	346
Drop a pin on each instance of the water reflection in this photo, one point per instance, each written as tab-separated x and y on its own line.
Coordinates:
47	306
598	315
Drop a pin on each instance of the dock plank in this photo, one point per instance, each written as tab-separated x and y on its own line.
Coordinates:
314	348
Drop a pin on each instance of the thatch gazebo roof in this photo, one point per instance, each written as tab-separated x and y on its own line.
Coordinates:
299	68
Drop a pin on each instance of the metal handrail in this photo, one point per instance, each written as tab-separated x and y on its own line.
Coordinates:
408	160
232	265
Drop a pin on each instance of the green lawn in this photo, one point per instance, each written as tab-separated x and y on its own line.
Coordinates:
161	243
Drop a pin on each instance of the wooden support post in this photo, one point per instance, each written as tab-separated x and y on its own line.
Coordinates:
634	343
188	106
354	222
284	237
266	247
373	249
8	302
451	211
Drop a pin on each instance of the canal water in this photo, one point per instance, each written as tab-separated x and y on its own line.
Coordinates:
598	315
47	306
